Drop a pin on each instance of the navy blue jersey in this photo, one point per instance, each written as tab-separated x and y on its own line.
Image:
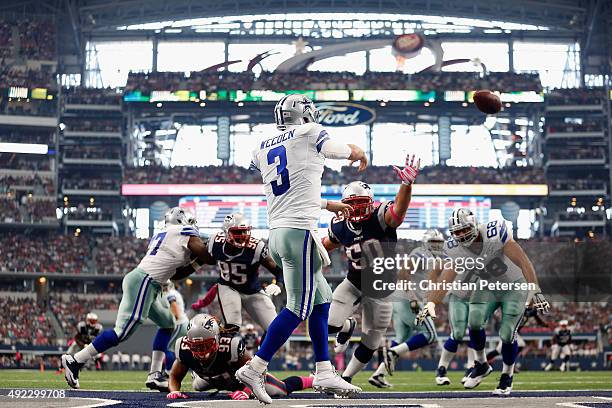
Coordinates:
86	333
251	340
354	237
562	337
220	373
240	269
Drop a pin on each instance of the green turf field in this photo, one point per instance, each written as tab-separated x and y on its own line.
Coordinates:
403	381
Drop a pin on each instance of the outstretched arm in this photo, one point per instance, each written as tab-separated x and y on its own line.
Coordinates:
394	217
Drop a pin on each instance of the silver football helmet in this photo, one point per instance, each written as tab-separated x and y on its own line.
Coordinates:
294	109
203	336
237	230
91	319
463	226
360	197
179	216
433	241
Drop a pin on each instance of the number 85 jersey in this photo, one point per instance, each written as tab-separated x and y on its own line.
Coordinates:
497	266
241	270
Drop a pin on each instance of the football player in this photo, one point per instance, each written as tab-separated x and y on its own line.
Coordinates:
142	297
291	164
425	266
488	251
367	226
86	332
213	355
251	338
239	256
177	307
561	346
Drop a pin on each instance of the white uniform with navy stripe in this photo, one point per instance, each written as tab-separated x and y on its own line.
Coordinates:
291	165
142	290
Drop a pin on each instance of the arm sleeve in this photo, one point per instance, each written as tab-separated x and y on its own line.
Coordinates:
333	150
254	165
332	235
505	233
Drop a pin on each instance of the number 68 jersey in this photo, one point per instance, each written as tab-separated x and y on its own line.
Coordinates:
241	270
497	266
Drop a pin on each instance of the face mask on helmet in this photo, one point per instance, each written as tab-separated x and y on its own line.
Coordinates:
239	236
202	349
436	246
362	207
91	319
464	234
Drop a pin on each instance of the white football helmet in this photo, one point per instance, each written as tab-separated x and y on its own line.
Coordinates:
360	197
237	230
294	109
203	336
463	226
179	216
91	319
433	241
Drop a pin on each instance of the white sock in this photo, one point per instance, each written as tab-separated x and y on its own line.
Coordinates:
88	352
157	361
445	358
354	366
346	326
480	356
382	369
508	369
471	355
401	349
322	366
259	364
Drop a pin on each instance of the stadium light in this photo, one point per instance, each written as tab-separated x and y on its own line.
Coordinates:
27	148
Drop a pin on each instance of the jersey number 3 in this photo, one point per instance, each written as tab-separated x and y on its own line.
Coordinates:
281	169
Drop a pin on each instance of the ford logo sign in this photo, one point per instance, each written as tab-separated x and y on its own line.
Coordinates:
345	114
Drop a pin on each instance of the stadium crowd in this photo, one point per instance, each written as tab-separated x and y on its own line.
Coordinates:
316	80
72	309
31	183
576	96
576	153
24	162
92	152
78	181
88	125
27	325
26	210
373	174
91	96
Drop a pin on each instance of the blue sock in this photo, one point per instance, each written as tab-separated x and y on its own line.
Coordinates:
170	357
394	343
509	352
279	331
478	339
161	340
417	341
317	328
451	345
107	339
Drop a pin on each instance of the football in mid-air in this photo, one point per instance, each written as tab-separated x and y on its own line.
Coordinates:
487	102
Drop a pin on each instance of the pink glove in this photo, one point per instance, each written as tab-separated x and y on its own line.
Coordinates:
239	395
176	395
410	172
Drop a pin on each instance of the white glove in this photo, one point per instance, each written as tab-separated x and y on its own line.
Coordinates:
273	290
428	311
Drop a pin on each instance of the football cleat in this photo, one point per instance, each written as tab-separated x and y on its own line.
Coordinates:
158	380
548	367
342	339
329	381
390	359
441	377
71	370
504	388
255	381
467	374
479	372
379	381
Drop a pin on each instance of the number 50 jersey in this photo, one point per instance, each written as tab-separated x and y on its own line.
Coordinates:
291	166
239	271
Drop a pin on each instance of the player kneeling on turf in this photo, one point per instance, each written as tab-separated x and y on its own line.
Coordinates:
213	355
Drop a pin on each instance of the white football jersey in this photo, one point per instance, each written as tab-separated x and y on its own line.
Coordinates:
175	296
291	166
168	251
497	266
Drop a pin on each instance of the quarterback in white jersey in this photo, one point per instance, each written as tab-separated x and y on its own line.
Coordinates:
291	164
168	251
489	252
